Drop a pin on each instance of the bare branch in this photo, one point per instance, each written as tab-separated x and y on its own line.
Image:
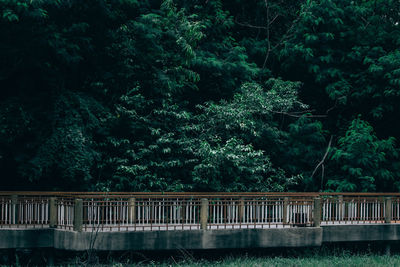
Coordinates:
366	22
249	25
272	20
298	114
324	157
268	37
322	177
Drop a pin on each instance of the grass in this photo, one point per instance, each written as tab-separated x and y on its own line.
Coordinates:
361	255
317	261
246	261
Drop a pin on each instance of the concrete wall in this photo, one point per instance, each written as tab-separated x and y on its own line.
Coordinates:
196	239
358	233
37	238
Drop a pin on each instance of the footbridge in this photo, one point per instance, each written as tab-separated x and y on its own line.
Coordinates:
154	221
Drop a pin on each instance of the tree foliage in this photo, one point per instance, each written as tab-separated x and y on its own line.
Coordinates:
214	95
363	161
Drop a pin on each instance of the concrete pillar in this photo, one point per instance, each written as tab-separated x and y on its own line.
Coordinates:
340	208
346	210
241	209
285	210
204	213
78	215
14	209
317	212
132	210
388	209
52	212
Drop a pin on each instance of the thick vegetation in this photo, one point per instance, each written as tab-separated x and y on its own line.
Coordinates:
177	95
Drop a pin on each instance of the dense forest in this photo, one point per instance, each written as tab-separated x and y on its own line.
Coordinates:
200	95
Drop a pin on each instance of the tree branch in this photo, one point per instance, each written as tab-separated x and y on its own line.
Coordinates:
268	37
323	158
249	25
298	114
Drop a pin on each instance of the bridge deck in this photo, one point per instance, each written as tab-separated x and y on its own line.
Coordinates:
187	227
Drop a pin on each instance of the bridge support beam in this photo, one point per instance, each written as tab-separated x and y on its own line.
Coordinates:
317	211
132	210
78	215
340	208
203	213
14	208
388	210
241	209
285	210
52	212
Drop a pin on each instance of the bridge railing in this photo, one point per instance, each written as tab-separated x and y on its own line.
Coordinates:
188	211
23	211
260	212
65	211
353	210
141	213
396	209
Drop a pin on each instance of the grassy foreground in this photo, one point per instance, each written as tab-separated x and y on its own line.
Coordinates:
372	256
314	261
320	261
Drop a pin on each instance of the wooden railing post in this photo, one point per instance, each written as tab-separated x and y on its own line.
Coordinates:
132	210
204	213
317	212
52	212
388	209
14	209
78	215
285	210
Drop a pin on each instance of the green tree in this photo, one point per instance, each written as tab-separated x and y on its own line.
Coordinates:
48	114
363	162
238	138
346	54
199	95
